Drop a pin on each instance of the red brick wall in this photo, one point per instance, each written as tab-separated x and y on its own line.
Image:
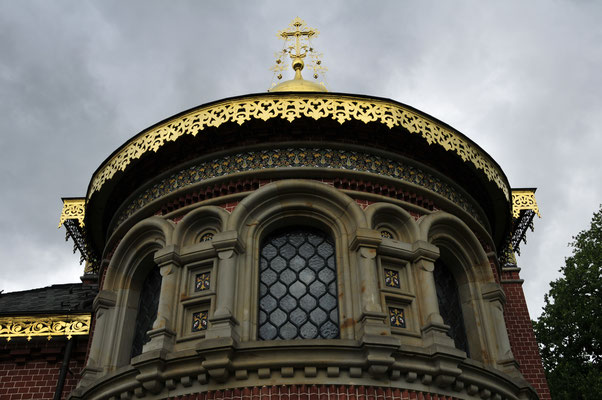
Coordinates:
313	392
520	332
30	370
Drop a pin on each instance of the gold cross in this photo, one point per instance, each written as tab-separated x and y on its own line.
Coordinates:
301	33
295	31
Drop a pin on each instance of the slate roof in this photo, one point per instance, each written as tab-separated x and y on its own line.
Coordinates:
56	299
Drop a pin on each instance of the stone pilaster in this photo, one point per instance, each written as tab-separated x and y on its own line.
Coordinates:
494	294
163	332
434	331
223	322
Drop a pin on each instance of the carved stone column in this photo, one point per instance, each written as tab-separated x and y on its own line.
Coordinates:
497	299
103	307
364	243
434	331
223	323
374	332
163	333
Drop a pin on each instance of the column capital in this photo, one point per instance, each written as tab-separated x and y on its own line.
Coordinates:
493	292
227	241
105	299
422	250
168	255
364	237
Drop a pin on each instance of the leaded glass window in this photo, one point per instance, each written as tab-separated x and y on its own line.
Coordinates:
298	286
147	309
449	305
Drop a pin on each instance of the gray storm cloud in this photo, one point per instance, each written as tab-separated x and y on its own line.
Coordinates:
77	79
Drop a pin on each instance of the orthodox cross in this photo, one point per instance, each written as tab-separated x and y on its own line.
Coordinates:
300	49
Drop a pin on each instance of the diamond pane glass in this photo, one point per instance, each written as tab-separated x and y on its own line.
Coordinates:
147	309
449	305
298	291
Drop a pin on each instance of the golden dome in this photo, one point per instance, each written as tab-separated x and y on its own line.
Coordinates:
298	85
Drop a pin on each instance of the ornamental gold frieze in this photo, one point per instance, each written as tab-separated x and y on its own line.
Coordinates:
44	325
290	107
298	158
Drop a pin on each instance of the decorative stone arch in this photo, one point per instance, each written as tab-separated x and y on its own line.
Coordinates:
393	217
463	255
295	202
133	259
199	222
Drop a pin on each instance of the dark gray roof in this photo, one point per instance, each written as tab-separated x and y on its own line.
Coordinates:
56	299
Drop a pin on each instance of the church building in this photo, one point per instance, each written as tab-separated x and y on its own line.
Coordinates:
297	244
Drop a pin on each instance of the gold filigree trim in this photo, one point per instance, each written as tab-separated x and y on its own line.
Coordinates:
524	199
73	209
291	107
44	325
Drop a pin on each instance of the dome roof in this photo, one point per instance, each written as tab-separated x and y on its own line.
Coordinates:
298	85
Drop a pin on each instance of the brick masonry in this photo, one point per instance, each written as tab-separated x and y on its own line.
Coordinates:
313	392
520	332
30	370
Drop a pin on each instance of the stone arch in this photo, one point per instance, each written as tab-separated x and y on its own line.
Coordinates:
381	215
462	254
294	202
145	237
205	219
297	195
132	261
450	233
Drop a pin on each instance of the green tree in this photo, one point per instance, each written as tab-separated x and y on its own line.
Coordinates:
569	330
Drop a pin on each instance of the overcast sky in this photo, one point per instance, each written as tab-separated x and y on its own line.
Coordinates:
523	79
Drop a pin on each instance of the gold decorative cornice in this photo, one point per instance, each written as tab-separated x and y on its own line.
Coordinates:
73	208
524	199
290	107
44	325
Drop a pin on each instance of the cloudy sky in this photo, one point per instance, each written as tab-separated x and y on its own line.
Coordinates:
78	78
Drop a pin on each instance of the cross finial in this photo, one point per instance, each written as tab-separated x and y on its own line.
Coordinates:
297	45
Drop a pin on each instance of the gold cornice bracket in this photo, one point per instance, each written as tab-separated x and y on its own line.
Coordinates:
294	106
524	199
73	208
44	325
72	218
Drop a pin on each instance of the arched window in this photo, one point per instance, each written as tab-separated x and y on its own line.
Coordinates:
449	305
147	309
298	286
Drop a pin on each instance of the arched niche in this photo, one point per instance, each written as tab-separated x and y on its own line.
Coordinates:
462	254
198	224
130	265
392	218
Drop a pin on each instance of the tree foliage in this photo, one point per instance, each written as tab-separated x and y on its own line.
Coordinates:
569	330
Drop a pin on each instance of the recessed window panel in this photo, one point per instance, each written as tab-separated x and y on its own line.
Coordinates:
297	286
392	278
449	305
147	309
397	317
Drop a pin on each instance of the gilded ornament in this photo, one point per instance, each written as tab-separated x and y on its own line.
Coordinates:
73	209
47	326
524	199
294	106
